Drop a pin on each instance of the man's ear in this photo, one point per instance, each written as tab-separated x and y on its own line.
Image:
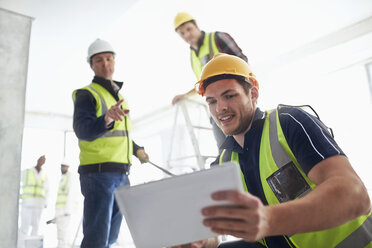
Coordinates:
254	93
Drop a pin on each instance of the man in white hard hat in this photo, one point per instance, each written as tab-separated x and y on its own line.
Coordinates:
35	188
102	124
202	48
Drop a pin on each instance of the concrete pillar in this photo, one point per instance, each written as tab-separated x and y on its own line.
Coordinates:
14	49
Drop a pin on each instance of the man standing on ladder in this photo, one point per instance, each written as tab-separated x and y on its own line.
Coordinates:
202	48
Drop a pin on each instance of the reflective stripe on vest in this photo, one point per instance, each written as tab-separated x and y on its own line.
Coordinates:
280	161
32	188
206	52
284	180
116	133
63	191
114	145
233	157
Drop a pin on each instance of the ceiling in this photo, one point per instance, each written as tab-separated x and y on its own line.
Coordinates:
151	59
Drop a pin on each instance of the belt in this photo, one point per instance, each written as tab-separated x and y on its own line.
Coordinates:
104	167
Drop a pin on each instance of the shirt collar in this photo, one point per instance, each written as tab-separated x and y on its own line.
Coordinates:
107	84
200	42
231	144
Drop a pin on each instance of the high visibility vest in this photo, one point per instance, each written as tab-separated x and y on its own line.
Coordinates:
32	188
63	191
207	50
113	146
283	180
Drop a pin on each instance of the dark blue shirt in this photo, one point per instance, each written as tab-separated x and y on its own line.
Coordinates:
307	137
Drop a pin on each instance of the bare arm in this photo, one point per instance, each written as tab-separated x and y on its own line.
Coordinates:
340	196
177	98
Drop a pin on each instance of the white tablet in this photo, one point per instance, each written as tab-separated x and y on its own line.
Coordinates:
168	212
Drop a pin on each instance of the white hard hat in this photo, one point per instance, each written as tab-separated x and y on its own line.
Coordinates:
99	46
66	162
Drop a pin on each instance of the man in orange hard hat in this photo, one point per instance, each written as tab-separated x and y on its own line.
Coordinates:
202	48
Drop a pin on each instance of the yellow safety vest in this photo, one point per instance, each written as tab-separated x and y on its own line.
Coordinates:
275	158
206	52
113	146
32	188
63	191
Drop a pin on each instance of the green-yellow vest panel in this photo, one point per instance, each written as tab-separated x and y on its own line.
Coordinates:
63	191
115	145
206	52
356	233
32	188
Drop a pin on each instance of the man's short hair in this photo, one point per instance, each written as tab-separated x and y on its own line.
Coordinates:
240	79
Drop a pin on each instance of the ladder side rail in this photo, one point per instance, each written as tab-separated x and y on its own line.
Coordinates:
194	141
172	136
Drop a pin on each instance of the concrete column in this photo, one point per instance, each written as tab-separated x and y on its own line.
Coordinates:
14	49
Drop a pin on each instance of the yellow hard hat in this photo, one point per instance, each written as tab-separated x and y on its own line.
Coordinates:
225	64
181	18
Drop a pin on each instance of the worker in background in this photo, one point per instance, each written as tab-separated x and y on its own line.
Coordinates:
66	206
301	188
102	125
202	48
34	195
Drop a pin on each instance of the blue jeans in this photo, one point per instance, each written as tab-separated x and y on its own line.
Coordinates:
102	218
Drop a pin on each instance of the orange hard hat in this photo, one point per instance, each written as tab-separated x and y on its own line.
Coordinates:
225	64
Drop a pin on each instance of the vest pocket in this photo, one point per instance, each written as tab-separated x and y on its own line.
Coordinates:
287	183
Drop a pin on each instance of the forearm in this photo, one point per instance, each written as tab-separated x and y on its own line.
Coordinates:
191	92
89	128
86	124
211	243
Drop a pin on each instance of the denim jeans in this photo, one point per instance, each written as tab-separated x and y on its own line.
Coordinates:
102	218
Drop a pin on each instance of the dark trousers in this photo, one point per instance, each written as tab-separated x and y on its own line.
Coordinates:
102	218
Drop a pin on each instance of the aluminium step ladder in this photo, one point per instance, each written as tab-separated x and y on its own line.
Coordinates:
194	132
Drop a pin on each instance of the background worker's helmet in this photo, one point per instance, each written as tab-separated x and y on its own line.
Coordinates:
97	47
225	64
181	18
66	162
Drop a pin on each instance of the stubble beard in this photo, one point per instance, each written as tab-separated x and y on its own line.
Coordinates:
245	123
